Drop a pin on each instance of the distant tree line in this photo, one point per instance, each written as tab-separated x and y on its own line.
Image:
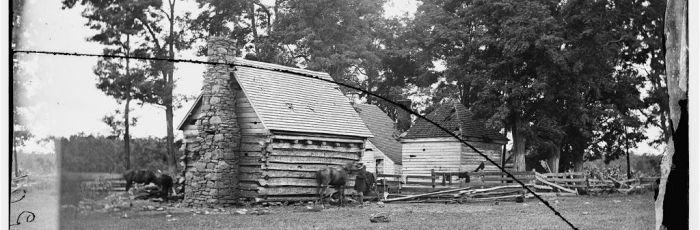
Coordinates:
89	153
37	163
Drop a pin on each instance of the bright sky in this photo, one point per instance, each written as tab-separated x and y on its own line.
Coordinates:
64	98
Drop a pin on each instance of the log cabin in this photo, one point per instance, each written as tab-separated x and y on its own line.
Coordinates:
260	131
383	151
425	147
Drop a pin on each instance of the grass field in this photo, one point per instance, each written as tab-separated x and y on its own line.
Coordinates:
585	212
41	198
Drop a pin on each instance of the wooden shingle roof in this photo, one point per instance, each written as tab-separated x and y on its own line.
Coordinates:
285	100
455	117
382	127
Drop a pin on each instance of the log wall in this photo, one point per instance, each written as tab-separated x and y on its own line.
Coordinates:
254	139
289	164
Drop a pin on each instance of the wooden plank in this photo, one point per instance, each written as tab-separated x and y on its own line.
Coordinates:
297	167
257	154
296	191
296	182
250	161
254	131
290	198
564	180
307	160
278	145
287	137
288	173
248	119
247	115
250	176
547	175
426	194
418	177
553	184
424	183
504	179
249	193
499	173
250	169
315	153
251	125
389	175
248	185
248	147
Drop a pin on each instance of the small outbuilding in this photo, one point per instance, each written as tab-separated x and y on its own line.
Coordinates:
383	151
425	147
260	131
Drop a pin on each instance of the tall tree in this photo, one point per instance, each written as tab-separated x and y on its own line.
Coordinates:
552	73
153	27
351	40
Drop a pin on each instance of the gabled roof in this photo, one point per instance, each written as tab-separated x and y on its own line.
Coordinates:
382	127
285	100
453	116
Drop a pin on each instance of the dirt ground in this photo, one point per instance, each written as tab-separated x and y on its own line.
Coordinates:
585	212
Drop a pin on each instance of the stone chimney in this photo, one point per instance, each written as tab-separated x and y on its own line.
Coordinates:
212	182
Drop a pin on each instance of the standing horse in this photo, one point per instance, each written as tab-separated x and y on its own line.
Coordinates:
336	178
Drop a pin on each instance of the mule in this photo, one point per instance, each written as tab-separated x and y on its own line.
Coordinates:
140	176
364	184
336	178
165	183
465	175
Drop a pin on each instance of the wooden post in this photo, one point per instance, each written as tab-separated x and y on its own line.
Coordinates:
432	177
503	157
398	179
629	172
443	179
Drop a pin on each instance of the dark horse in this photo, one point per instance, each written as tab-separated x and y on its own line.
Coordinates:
335	177
142	176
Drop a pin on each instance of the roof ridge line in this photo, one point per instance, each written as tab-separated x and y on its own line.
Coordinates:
277	67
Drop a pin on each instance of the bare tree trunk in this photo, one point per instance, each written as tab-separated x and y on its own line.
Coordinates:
554	160
254	27
578	163
127	138
170	139
674	166
518	145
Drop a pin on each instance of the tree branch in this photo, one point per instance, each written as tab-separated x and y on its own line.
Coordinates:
153	34
166	13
